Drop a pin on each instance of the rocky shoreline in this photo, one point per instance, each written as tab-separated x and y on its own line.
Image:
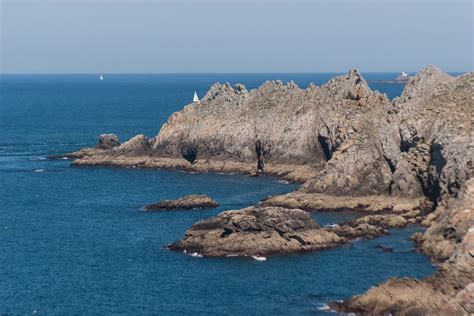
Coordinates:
403	161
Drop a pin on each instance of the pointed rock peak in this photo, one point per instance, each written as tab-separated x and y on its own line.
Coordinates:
423	84
432	70
355	76
350	86
312	85
292	85
240	88
353	73
352	77
271	84
218	89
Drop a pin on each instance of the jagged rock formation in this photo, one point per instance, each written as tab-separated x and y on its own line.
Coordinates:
336	125
333	129
185	203
342	137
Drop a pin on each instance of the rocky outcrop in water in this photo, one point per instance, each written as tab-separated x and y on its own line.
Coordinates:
184	203
256	232
263	231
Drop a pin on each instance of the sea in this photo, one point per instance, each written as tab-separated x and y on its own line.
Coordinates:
75	240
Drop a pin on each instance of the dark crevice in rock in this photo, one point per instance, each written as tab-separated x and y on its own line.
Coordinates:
405	146
189	152
437	162
226	232
260	152
390	164
323	142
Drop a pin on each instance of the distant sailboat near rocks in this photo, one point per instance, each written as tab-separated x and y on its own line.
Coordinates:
195	98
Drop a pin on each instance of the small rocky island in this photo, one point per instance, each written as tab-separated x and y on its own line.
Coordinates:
185	203
256	232
404	161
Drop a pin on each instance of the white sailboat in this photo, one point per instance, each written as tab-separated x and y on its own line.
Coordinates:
101	77
195	99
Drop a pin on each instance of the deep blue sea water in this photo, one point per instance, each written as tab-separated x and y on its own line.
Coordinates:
74	240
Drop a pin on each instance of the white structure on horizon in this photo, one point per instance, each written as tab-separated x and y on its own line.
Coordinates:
195	99
403	77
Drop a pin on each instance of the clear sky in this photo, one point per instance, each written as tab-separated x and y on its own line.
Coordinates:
163	36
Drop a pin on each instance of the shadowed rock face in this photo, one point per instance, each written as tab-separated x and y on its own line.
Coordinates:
256	231
435	128
184	203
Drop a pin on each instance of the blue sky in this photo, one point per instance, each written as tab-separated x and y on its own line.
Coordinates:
144	36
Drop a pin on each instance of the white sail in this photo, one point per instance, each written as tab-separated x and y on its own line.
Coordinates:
101	77
195	99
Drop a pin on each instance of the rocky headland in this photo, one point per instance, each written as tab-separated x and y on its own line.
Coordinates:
403	161
185	203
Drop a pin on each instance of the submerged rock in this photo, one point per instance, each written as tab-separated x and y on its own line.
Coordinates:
185	203
257	231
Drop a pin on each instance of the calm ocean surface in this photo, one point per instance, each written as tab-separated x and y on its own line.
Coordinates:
75	241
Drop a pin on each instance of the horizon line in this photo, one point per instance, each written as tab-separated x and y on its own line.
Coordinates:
216	73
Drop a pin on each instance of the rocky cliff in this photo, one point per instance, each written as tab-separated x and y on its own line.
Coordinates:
351	148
